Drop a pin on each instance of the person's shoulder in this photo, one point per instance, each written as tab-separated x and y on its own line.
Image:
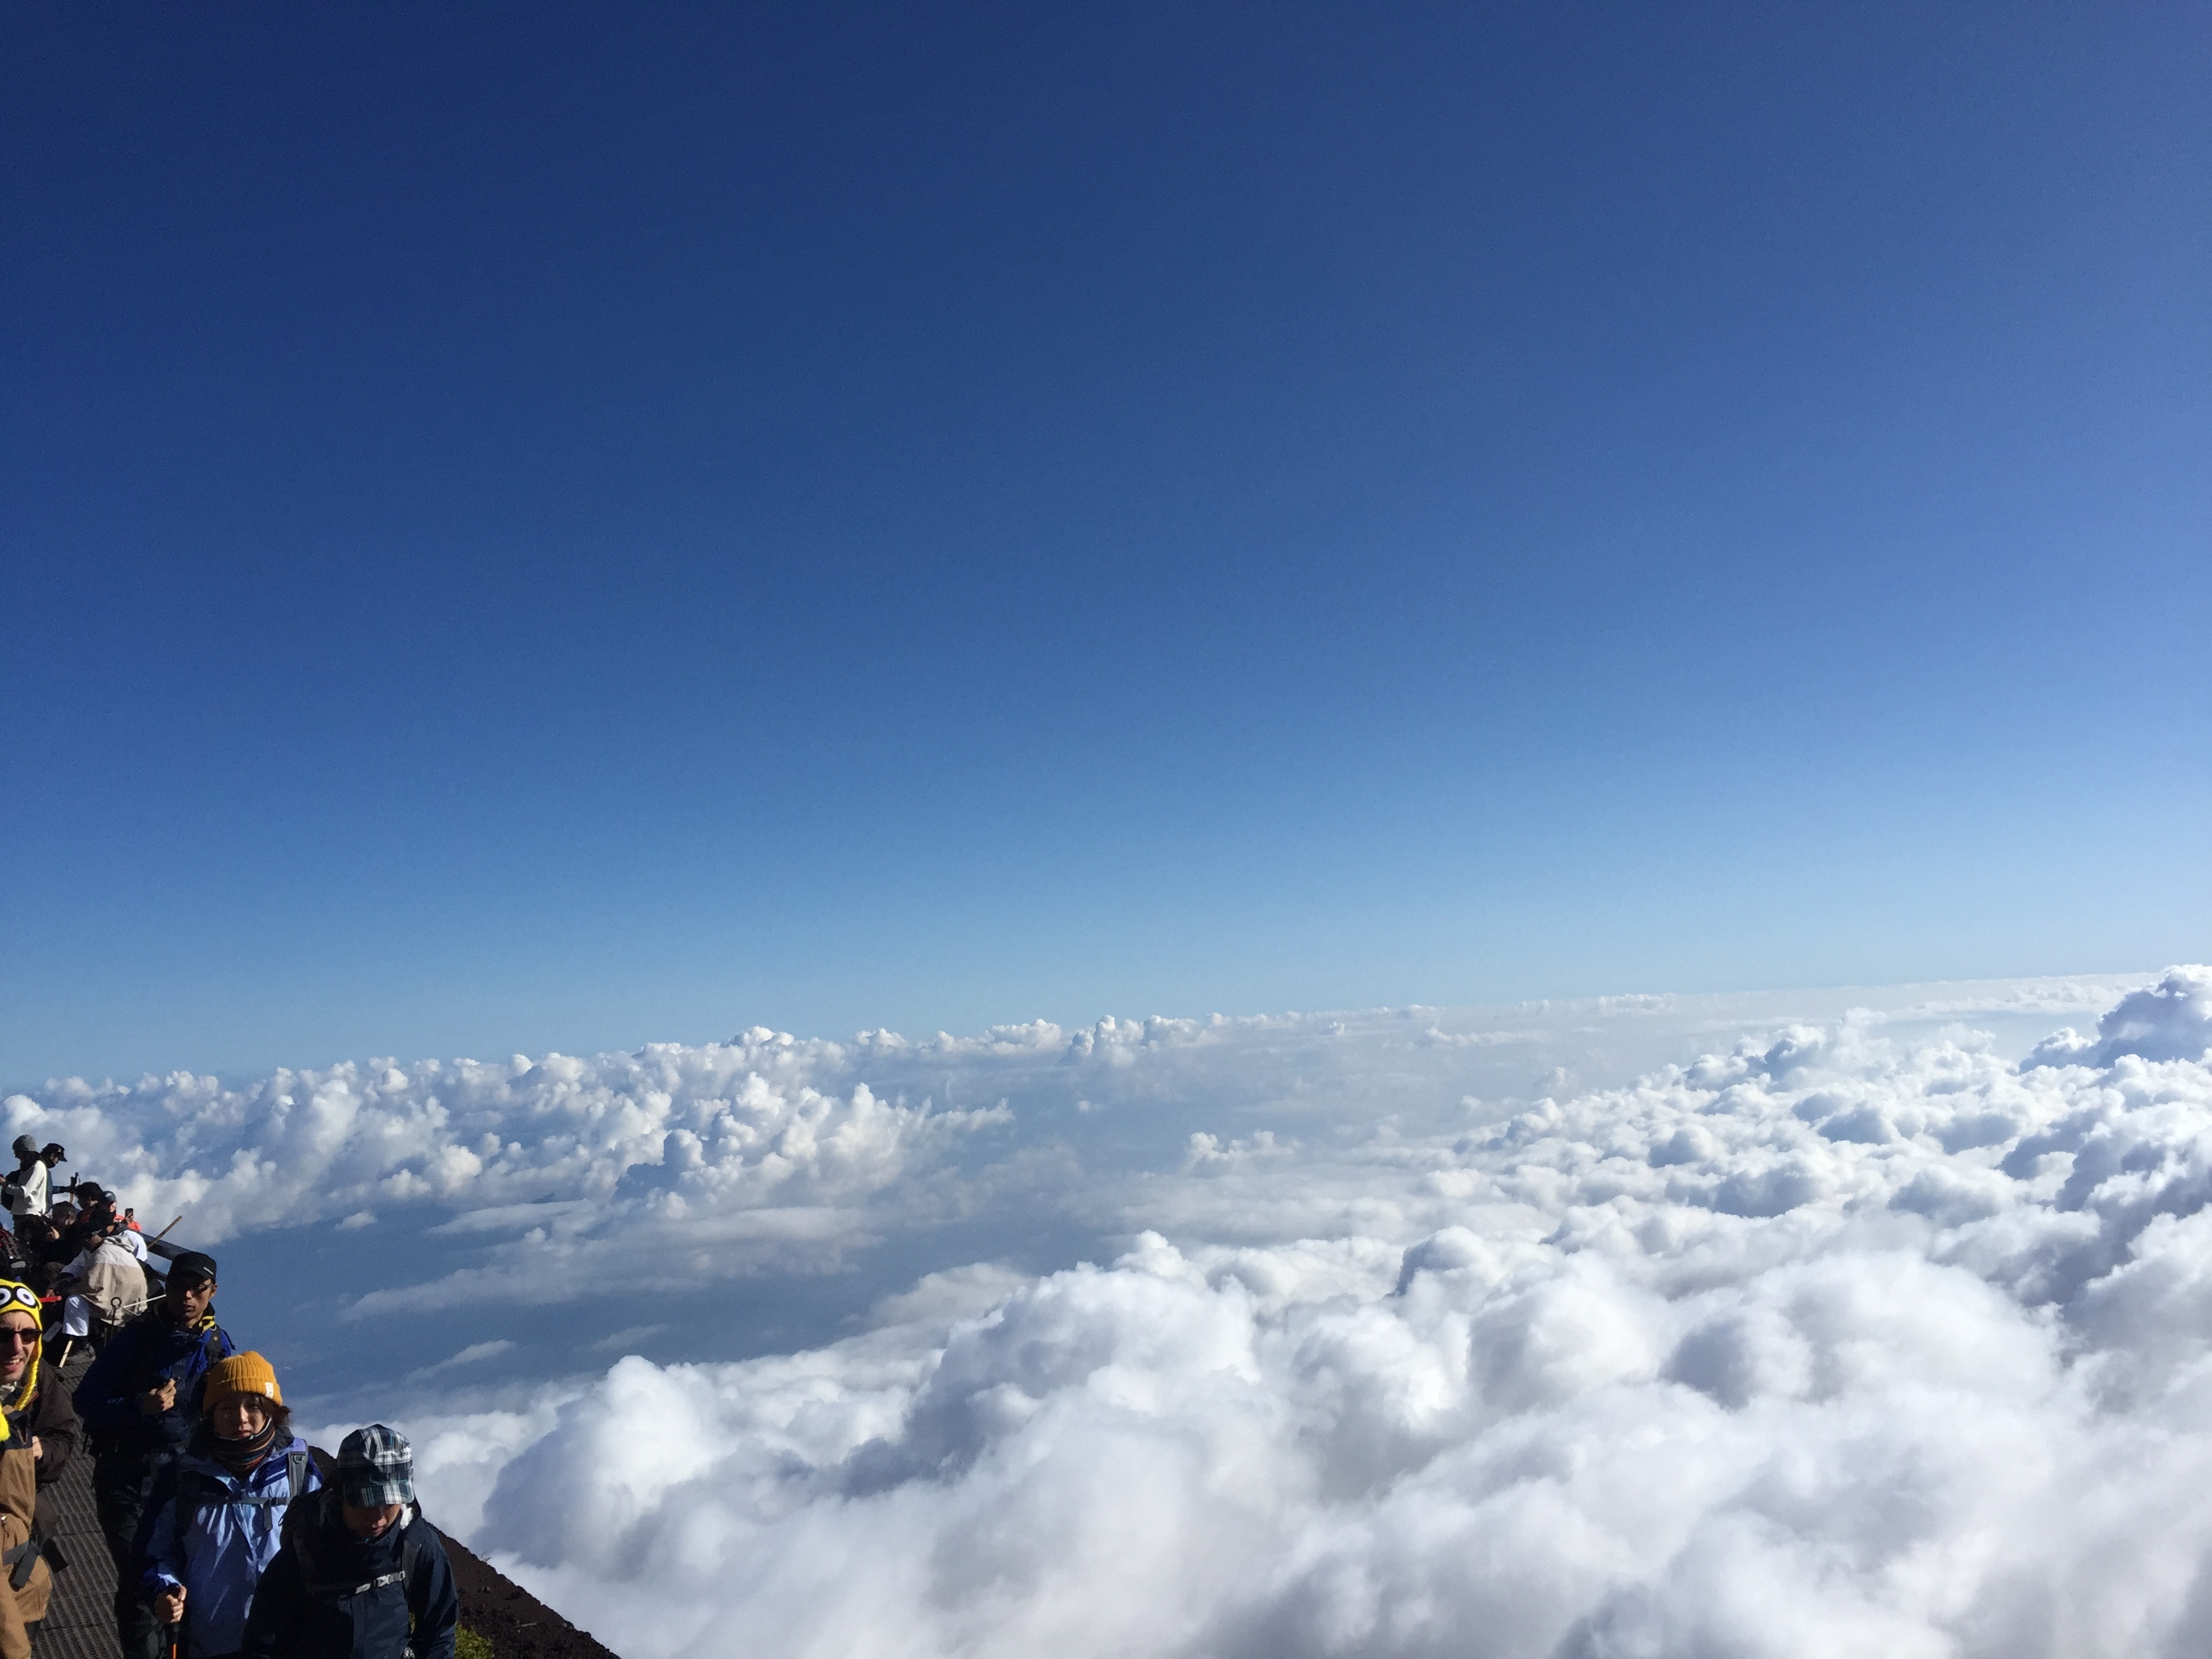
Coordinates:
425	1538
196	1347
195	1461
313	1511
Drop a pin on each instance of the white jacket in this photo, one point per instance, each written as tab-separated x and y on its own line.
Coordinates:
35	1183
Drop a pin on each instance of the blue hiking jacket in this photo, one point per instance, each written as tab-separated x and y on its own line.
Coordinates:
218	1540
142	1354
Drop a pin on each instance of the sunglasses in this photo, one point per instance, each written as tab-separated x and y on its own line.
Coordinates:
10	1336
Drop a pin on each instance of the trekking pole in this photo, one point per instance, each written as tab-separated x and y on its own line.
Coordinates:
164	1233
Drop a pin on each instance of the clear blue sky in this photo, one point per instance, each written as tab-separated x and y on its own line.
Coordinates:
558	527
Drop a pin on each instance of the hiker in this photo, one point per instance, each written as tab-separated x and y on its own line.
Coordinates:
27	1190
47	1246
38	1432
212	1524
358	1565
96	1216
140	1401
92	1220
102	1288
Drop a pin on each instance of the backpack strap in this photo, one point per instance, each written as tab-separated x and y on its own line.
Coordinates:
301	1524
196	1491
23	1560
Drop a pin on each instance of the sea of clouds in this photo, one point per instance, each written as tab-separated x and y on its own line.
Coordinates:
1647	1326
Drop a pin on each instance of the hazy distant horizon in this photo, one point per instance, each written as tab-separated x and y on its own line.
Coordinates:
1732	1004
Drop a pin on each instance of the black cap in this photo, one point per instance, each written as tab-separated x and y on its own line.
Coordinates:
53	1150
190	1265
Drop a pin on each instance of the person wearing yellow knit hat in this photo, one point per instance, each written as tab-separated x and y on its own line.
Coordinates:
141	1400
37	1433
217	1513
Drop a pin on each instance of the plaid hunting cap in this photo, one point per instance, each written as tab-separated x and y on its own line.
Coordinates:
376	1467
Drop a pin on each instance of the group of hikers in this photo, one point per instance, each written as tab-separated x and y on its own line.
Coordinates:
227	1538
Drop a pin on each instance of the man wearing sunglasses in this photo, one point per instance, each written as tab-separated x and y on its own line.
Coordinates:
140	1401
38	1432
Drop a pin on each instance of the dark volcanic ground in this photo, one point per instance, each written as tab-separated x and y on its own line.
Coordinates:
516	1623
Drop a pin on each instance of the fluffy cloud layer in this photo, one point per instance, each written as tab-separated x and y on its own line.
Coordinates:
735	1126
1808	1347
1840	1338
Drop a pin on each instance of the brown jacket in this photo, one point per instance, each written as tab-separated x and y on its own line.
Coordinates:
50	1420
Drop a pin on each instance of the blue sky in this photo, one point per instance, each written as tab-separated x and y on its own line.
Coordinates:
555	527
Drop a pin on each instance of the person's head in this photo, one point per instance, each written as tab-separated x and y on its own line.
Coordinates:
242	1400
376	1479
191	1288
52	1153
19	1333
26	1150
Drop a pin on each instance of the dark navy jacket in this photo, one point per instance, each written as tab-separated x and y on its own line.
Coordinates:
142	1354
329	1594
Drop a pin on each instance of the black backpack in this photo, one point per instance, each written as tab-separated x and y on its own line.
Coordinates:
306	1518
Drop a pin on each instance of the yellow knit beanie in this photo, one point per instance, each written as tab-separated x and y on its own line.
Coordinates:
240	1374
18	1297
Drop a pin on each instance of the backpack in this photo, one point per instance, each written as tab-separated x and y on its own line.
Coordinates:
197	1490
317	1583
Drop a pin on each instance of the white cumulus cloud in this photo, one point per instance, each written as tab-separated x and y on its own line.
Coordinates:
1850	1334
